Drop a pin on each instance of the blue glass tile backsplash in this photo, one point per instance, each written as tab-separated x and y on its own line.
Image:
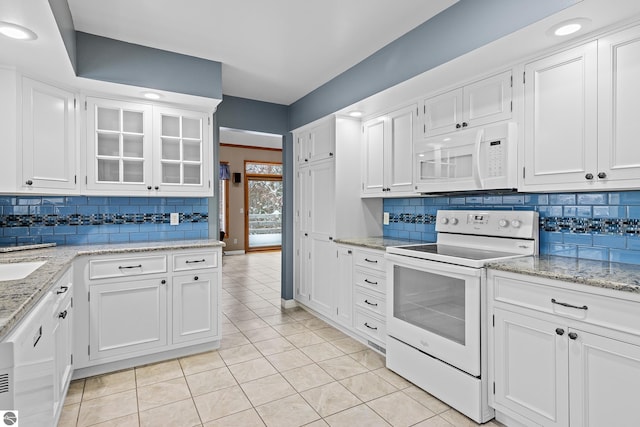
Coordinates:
600	226
85	219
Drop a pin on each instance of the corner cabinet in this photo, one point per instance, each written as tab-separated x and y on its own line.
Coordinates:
387	154
562	354
147	150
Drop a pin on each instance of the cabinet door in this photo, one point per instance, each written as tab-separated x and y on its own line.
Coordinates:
302	266
321	198
604	381
488	100
63	342
560	126
531	368
194	306
443	113
373	151
127	317
119	147
302	147
302	196
48	138
181	153
398	156
322	274
322	141
344	287
618	103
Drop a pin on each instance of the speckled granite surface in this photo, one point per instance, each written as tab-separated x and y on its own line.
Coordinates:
17	297
608	275
380	243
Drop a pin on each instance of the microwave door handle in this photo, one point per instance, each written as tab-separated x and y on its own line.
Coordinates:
476	166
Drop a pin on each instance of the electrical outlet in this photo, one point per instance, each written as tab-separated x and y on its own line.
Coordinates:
174	218
385	218
235	241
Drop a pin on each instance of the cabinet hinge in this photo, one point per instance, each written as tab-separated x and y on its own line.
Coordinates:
494	320
417	111
337	254
523	171
336	311
363	186
494	387
88	296
524	80
75	179
424	109
89	350
72	359
75	103
209	183
511	81
512	106
209	121
424	128
71	302
85	105
86	180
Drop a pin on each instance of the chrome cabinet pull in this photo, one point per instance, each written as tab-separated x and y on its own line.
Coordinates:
564	304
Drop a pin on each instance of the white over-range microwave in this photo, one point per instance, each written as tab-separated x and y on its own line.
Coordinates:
474	159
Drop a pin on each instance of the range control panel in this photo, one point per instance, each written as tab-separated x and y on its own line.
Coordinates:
521	224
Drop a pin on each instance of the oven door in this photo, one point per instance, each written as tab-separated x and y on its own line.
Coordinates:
435	308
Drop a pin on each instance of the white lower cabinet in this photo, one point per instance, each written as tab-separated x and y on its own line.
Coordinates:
194	315
562	354
63	318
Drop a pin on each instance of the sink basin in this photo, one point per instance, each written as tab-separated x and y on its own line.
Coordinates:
19	270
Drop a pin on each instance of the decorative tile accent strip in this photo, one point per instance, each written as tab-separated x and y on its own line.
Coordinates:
96	219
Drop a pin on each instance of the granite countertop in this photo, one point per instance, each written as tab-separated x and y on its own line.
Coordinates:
601	274
17	297
380	243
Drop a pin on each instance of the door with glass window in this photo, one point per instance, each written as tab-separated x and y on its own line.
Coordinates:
263	206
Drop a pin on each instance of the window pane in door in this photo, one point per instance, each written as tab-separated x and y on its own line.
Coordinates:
108	170
190	128
132	121
108	119
265	212
170	149
108	144
191	174
191	151
132	171
170	126
132	146
432	302
171	173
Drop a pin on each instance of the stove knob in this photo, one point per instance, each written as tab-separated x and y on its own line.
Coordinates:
454	221
503	223
516	223
444	221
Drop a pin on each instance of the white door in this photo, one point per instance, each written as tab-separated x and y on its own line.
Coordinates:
618	106
194	307
398	155
373	154
116	313
48	138
443	113
321	198
322	141
119	147
604	381
560	126
344	287
488	100
322	274
531	368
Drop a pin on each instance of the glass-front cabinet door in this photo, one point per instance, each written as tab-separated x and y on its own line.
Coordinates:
118	146
182	141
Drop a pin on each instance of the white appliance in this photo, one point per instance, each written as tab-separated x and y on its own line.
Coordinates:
475	159
436	309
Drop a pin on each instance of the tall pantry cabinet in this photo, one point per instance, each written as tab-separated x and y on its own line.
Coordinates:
327	206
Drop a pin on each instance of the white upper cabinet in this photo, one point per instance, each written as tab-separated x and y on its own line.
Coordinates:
317	143
48	155
476	104
387	154
618	107
151	150
560	126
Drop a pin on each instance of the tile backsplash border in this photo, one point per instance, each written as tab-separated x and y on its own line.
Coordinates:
73	220
599	226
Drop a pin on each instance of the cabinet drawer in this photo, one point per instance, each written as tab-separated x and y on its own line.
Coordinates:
371	326
370	279
195	260
129	266
372	260
369	301
589	308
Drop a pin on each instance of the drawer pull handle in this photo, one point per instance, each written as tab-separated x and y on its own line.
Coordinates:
370	327
371	303
194	262
564	304
62	290
123	267
370	282
374	261
62	314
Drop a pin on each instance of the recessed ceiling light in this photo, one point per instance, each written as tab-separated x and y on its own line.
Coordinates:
355	113
151	95
16	31
568	27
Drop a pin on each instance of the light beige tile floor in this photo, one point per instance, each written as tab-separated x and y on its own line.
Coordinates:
275	368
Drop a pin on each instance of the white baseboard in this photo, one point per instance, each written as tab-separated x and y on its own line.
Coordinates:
240	252
288	303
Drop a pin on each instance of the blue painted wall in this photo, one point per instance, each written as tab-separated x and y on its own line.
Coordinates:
115	61
600	226
81	220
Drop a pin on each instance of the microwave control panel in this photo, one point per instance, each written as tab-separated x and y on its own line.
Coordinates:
495	159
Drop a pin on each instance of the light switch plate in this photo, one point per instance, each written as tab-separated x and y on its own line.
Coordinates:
174	218
385	218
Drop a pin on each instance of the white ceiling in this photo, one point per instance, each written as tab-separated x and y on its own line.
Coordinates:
275	50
